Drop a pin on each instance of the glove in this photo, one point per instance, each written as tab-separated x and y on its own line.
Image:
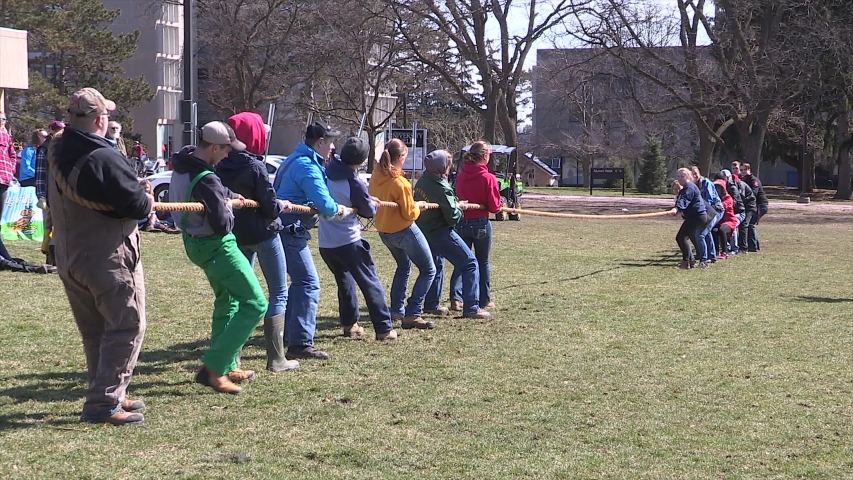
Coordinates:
42	203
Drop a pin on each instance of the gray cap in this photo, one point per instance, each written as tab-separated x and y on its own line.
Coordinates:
437	161
354	151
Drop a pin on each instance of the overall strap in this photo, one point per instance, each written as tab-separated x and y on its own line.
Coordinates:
198	177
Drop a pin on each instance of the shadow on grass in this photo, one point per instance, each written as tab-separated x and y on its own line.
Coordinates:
663	261
16	421
823	299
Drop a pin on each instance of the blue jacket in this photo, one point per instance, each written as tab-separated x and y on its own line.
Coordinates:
689	201
27	170
301	179
709	193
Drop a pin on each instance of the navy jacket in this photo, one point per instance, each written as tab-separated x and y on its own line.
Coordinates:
246	174
689	201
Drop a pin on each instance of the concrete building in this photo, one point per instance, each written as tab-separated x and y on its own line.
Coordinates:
158	58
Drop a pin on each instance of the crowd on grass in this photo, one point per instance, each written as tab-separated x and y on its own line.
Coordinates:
96	206
721	216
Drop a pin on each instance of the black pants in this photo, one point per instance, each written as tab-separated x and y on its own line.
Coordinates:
688	231
721	237
743	229
29	182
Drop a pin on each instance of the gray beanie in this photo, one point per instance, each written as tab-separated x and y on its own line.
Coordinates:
355	151
436	162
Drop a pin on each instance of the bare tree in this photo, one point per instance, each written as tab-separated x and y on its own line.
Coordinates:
477	34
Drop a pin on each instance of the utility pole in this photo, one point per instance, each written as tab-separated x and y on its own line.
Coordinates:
188	104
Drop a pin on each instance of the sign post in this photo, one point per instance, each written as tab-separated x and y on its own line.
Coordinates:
416	140
606	174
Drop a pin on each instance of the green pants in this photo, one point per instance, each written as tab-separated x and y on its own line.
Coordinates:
240	303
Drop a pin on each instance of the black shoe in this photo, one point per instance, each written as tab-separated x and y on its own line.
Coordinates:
305	353
203	377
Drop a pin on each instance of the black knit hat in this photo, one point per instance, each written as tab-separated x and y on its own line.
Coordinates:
354	151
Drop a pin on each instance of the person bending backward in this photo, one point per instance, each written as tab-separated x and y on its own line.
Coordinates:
239	302
346	253
690	204
444	242
95	199
401	235
256	229
762	206
727	224
301	179
475	184
707	250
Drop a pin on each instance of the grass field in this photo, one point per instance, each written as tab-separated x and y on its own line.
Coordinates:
601	361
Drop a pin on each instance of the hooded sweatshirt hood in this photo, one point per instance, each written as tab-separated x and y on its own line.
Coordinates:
250	129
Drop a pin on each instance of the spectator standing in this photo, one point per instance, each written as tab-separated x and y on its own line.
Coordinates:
8	162
42	173
96	200
114	134
27	168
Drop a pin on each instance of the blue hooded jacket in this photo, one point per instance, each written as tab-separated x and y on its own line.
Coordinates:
301	179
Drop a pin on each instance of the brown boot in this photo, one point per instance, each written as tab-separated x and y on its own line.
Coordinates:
218	382
133	406
353	331
239	375
416	322
387	336
440	311
481	314
119	419
456	305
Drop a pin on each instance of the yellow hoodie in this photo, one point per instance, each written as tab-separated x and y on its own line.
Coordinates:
393	187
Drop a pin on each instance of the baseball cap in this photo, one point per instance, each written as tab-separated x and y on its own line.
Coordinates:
354	151
726	173
88	101
318	130
56	126
218	133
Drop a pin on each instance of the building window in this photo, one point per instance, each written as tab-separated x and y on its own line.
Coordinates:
170	41
170	74
171	13
168	104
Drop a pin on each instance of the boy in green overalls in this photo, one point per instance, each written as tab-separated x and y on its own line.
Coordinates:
240	303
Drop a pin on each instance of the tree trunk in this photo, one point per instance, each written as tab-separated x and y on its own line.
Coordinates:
844	190
752	141
706	146
587	164
371	157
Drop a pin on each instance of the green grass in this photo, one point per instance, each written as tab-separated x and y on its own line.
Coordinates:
602	361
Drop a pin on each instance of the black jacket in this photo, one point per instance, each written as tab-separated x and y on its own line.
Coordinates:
217	219
105	176
747	196
737	200
755	184
246	174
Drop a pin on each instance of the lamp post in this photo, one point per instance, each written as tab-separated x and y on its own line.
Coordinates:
188	104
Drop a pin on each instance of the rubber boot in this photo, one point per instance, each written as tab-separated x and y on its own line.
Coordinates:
274	337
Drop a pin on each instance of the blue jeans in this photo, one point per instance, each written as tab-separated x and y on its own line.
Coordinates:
270	253
733	242
353	266
476	233
408	246
300	317
446	244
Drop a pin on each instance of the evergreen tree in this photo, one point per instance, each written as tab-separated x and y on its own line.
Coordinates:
653	172
71	47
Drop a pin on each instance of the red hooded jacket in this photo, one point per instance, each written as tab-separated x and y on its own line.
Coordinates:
249	128
728	206
475	184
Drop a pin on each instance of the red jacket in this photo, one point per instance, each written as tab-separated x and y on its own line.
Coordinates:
475	184
728	212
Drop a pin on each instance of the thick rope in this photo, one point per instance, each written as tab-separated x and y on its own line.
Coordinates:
237	204
65	188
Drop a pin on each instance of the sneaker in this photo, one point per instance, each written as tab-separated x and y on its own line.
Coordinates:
353	331
481	314
439	311
724	256
238	375
456	305
488	305
133	406
703	264
387	336
417	322
692	263
305	353
119	419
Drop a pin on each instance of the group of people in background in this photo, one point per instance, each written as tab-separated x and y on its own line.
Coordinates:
720	216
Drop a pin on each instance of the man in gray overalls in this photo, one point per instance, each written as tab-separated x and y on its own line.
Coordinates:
95	200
